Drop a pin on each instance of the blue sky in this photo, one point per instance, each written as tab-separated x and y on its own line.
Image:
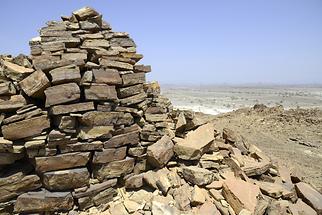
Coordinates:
196	42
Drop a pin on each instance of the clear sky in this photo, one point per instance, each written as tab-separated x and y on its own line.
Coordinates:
196	42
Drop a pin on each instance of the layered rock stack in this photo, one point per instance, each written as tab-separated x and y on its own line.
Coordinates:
78	111
82	130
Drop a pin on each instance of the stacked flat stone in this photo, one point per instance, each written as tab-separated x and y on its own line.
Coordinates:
76	116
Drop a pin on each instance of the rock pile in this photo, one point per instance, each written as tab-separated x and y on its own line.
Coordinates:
80	127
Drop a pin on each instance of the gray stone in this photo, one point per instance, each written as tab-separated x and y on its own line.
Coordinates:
161	152
131	138
62	93
113	169
109	155
42	201
100	92
26	128
62	161
197	176
65	179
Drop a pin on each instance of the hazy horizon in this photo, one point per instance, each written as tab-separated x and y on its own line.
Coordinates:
201	43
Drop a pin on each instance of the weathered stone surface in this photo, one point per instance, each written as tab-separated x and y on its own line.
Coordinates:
276	190
44	201
142	68
8	104
96	132
94	118
82	147
160	152
114	169
93	189
196	143
134	181
197	196
156	117
35	84
310	196
109	155
17	183
65	179
182	196
6	145
197	175
84	13
62	93
72	108
62	161
122	41
107	76
115	64
123	139
240	194
15	72
134	78
7	88
130	90
133	99
26	128
9	158
100	92
96	43
65	74
209	208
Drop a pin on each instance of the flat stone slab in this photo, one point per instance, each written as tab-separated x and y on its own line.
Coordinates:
62	180
161	152
44	201
196	143
62	161
310	196
35	84
72	108
25	128
62	93
241	194
114	169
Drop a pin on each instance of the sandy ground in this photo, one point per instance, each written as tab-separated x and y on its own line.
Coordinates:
292	137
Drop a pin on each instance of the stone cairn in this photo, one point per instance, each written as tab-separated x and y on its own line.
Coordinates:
80	127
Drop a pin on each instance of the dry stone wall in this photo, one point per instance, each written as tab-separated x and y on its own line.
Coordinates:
76	116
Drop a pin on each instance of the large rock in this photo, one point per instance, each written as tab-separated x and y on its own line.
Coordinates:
35	84
98	118
12	103
100	92
196	143
85	13
131	138
114	169
16	72
7	88
309	196
72	108
44	201
241	194
197	176
115	64
134	78
62	93
65	74
62	161
160	152
109	155
130	90
26	128
96	132
17	183
133	99
107	76
65	179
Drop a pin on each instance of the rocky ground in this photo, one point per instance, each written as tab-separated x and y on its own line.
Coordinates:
292	137
231	175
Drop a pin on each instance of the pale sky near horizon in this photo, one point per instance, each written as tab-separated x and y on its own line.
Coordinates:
196	42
